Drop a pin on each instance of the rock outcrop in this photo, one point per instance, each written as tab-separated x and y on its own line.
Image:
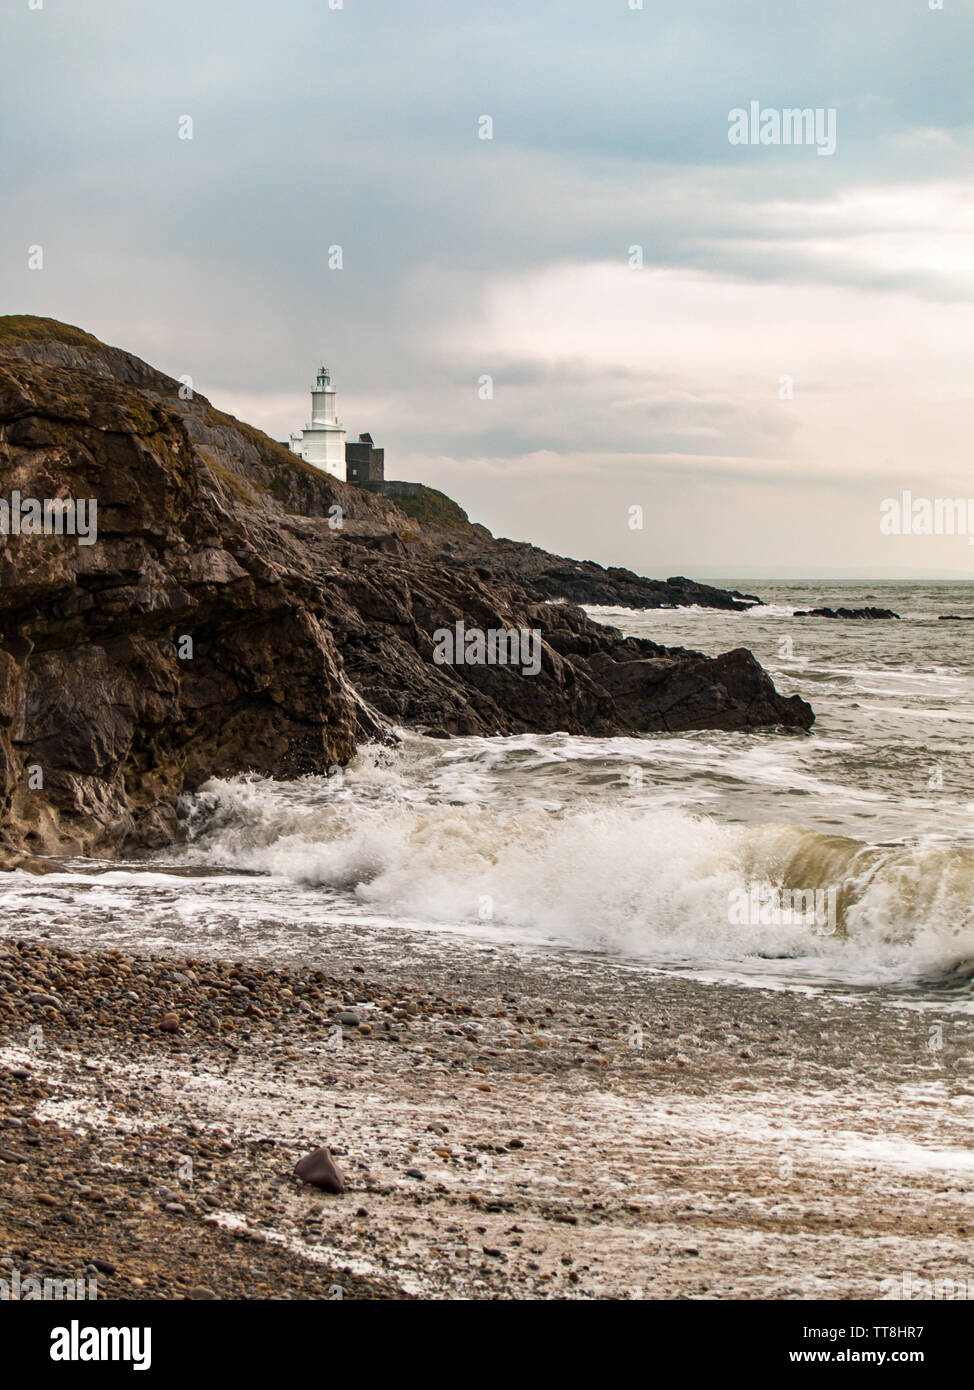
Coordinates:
240	610
858	613
584	581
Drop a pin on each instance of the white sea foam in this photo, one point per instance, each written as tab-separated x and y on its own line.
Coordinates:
629	844
650	881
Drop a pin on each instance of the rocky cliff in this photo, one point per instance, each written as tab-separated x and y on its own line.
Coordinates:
239	610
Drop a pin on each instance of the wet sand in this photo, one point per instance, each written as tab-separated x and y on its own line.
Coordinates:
509	1126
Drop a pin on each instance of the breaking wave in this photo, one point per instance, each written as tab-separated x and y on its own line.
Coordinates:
650	881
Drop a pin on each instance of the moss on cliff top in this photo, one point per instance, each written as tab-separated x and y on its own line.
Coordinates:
28	328
435	508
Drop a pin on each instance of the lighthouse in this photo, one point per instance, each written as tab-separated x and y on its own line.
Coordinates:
322	442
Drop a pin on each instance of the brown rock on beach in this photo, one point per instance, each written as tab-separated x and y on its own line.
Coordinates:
319	1170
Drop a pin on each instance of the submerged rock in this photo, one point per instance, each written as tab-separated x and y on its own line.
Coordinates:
846	613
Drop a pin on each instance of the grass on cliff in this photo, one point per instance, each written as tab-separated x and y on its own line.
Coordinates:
228	478
435	509
21	328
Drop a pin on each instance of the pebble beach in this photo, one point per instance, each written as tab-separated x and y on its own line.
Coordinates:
530	1127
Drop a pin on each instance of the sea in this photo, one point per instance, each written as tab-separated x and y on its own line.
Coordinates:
841	857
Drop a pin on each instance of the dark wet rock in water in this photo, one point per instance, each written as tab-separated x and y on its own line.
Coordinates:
238	610
846	613
319	1170
956	618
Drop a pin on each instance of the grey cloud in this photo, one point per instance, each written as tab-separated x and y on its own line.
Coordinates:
358	127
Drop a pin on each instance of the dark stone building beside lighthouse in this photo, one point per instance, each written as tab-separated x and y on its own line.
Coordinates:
364	463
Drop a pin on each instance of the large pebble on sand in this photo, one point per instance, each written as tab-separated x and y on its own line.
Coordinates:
319	1169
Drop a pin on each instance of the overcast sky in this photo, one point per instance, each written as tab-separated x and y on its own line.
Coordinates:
613	387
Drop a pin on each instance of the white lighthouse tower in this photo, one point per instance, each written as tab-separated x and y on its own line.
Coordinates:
322	442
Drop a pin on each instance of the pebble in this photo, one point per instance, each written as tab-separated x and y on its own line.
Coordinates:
319	1170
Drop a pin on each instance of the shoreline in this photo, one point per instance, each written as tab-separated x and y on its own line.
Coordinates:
525	1128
